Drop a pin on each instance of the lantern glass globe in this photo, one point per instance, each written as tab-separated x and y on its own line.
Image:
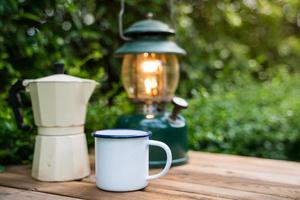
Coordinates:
150	77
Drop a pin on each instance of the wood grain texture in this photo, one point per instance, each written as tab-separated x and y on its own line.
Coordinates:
87	190
207	176
242	184
17	194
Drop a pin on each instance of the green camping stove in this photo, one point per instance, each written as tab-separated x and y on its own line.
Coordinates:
166	127
150	74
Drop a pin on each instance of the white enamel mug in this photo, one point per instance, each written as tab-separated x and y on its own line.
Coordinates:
122	159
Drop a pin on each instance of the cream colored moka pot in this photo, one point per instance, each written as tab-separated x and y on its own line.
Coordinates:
59	105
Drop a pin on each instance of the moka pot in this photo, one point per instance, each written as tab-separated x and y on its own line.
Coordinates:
59	105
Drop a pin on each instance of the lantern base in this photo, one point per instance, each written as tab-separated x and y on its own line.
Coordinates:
173	133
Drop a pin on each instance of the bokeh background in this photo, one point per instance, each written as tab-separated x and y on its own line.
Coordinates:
241	74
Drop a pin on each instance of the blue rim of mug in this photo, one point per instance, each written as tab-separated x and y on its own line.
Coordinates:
138	133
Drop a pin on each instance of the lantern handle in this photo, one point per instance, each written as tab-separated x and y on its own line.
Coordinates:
121	21
122	10
172	13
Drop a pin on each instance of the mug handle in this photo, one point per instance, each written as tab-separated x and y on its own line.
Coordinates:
169	159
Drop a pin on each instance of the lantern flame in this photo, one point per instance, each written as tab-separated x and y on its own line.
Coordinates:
151	86
151	66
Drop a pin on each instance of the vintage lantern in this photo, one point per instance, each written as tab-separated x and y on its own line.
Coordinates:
150	75
150	69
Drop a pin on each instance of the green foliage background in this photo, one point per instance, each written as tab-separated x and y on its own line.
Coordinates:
241	74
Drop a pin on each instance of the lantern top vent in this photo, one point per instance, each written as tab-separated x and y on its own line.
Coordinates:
149	27
150	36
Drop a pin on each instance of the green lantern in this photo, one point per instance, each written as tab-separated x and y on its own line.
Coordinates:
150	75
150	69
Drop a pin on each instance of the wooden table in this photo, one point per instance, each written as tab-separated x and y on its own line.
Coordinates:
207	176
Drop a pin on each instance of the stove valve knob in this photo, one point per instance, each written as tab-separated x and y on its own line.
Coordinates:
179	104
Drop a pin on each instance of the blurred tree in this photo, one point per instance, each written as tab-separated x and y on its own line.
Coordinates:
231	38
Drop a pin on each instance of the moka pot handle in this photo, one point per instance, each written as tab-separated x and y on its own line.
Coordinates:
14	100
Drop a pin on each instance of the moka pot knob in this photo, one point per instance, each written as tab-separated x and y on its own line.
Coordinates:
59	68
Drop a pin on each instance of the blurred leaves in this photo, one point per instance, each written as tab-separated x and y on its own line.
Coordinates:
255	119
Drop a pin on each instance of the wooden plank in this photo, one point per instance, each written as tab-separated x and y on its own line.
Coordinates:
17	194
212	190
241	168
20	181
244	162
180	193
92	179
263	187
229	182
239	173
87	190
228	185
242	184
